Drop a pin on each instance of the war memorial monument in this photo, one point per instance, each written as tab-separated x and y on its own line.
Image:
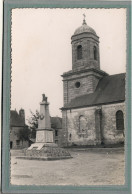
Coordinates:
44	148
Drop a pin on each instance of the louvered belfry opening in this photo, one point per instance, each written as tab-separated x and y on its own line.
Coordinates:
95	52
79	52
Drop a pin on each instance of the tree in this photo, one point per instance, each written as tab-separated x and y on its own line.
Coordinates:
33	123
23	134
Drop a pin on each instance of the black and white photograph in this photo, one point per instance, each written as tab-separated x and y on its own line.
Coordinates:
68	96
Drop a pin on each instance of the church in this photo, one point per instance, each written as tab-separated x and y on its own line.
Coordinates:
94	101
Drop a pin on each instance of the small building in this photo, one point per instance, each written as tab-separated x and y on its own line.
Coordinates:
56	125
17	123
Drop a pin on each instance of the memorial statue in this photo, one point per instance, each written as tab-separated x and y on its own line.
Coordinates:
44	98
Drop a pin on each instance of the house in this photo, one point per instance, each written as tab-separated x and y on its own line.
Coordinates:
17	124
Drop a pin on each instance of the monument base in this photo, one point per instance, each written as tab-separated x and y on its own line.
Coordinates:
45	151
40	145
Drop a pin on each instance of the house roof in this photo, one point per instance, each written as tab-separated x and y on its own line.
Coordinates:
56	122
15	119
110	89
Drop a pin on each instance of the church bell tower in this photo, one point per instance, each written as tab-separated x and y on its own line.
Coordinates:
85	73
85	48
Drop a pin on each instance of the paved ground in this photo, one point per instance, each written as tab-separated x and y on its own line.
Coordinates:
89	167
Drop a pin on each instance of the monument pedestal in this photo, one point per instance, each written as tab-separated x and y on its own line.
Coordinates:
44	148
48	151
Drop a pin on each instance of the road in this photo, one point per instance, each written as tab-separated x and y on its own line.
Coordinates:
98	167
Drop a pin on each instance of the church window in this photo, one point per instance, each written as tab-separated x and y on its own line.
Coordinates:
77	84
79	52
82	124
119	120
95	52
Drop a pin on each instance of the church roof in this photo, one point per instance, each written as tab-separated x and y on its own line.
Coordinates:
84	28
110	89
16	120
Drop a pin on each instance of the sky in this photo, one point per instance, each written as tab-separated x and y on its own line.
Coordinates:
41	51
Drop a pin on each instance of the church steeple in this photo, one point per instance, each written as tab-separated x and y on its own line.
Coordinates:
85	73
85	48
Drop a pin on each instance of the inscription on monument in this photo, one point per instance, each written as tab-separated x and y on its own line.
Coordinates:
49	136
44	136
40	137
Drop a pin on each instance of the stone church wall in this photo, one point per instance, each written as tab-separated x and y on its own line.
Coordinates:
88	82
70	121
87	42
86	87
96	128
110	132
63	133
77	136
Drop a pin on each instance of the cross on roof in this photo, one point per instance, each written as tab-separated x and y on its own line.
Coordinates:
84	22
84	16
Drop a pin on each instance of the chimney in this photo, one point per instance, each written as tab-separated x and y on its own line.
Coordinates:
22	114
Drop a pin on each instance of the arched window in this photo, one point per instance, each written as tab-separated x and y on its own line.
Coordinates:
119	120
82	124
95	52
79	52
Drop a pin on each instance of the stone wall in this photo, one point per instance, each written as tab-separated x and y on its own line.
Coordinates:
99	126
77	137
63	133
87	42
88	82
86	87
110	132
